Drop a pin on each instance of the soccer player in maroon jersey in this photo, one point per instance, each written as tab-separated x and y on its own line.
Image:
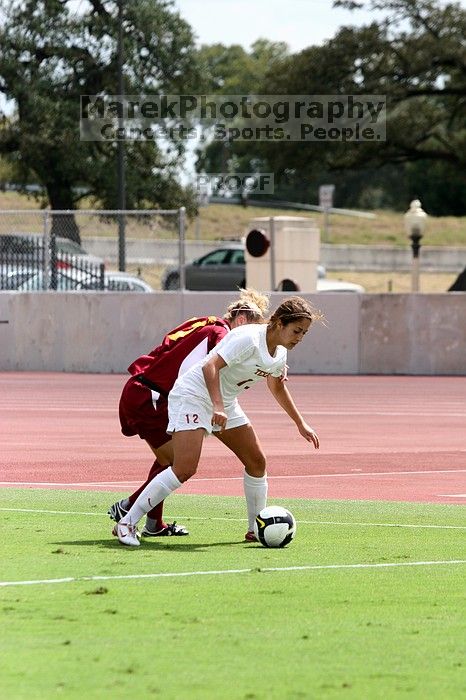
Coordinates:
144	401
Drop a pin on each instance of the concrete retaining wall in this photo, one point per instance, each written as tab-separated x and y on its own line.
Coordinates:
386	258
334	257
413	334
105	332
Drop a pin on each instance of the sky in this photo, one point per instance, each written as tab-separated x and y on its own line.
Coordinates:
300	23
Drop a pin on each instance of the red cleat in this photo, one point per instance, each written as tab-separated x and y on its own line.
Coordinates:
250	537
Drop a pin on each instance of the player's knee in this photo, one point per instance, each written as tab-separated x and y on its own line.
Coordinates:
184	472
257	467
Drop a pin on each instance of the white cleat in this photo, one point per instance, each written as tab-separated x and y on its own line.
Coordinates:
127	534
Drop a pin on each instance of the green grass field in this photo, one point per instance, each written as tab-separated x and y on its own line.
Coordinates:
355	607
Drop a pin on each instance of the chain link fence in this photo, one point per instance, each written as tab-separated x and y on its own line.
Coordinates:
84	249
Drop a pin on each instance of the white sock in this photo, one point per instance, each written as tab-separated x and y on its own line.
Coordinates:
157	490
255	490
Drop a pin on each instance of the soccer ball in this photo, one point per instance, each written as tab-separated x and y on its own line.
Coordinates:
275	526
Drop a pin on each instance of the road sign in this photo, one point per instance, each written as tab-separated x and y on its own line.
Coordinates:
326	196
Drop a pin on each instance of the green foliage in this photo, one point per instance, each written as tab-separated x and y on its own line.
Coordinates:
231	70
416	58
52	54
9	170
439	184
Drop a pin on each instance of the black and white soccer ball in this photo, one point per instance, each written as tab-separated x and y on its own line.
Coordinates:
275	526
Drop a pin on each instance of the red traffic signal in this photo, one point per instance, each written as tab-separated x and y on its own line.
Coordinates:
257	243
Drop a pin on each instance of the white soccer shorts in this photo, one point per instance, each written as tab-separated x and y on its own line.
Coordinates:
186	414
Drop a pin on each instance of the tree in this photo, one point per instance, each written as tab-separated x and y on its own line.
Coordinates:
230	70
416	57
52	54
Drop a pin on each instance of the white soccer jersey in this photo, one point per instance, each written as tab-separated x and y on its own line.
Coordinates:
248	360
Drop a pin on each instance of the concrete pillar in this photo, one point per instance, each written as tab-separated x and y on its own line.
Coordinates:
293	254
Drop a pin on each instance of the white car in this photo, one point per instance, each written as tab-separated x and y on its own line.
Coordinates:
326	285
32	280
115	281
75	280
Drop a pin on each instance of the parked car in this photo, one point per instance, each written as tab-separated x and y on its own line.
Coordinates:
326	285
119	282
11	277
66	279
77	280
224	269
22	254
28	249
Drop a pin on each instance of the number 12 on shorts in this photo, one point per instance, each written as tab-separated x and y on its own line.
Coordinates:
192	418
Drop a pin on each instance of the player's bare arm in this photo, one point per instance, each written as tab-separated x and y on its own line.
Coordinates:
211	372
283	397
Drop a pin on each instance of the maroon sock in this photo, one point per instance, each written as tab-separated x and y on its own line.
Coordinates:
157	512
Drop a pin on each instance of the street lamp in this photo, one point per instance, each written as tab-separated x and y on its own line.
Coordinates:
415	223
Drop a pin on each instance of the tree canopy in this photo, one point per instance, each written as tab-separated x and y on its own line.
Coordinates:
53	52
416	57
51	55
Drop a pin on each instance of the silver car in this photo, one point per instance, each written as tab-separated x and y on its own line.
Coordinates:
28	249
76	280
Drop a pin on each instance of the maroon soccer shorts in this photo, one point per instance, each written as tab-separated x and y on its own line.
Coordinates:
144	413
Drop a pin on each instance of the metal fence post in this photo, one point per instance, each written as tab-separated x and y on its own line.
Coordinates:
182	242
273	283
46	254
53	263
121	241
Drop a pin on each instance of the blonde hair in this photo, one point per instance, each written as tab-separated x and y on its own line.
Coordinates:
294	309
253	304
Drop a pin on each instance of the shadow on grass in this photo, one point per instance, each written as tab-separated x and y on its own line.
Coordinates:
149	544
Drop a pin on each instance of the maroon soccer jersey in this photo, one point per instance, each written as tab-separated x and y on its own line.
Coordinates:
181	348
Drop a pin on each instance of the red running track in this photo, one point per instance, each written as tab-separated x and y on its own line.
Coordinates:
382	438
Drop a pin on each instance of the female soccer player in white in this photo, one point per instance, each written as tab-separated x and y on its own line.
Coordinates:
204	400
143	405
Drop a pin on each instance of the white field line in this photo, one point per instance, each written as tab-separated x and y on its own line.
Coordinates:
209	519
274	569
348	412
69	483
421	472
452	495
